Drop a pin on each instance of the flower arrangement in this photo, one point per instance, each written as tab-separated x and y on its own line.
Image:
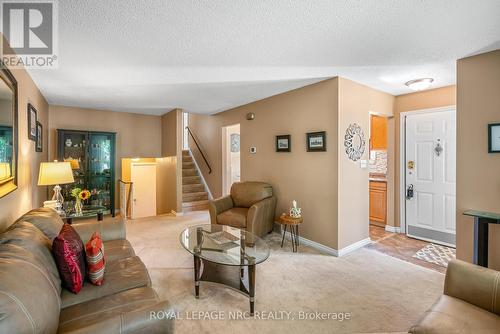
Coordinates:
80	195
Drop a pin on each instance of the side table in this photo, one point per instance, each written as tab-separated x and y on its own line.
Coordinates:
293	223
481	226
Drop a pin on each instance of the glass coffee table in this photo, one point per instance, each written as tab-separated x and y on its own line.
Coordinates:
225	255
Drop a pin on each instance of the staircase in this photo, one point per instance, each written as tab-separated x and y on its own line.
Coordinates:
194	194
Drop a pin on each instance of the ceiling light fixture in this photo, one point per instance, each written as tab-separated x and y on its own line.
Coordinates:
419	84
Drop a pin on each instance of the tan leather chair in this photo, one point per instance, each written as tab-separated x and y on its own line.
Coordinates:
250	206
470	302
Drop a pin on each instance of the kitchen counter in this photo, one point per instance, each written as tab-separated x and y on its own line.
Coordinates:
378	178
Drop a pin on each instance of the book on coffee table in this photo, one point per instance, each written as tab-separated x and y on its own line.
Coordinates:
222	237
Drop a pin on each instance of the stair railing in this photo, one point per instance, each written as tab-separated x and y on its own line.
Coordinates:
200	150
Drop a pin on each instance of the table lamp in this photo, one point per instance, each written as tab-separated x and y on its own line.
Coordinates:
56	173
4	170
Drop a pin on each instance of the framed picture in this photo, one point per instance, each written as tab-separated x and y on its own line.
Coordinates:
32	122
316	141
39	137
283	143
494	138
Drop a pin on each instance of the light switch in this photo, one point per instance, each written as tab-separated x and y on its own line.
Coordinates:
253	149
363	164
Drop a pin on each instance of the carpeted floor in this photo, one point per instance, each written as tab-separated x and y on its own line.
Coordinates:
381	294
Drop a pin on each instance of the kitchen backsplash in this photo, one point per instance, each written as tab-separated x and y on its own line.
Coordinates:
378	162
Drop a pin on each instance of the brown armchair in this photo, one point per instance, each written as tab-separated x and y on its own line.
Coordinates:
250	206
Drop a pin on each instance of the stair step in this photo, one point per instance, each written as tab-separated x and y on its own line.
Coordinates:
186	158
195	196
191	180
195	204
188	165
192	188
185	152
189	172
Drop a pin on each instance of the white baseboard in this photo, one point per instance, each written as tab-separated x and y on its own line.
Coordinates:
393	229
328	250
354	246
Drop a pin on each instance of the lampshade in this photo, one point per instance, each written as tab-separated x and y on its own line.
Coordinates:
52	173
4	170
74	163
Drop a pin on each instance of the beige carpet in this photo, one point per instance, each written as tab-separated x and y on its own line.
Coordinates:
383	294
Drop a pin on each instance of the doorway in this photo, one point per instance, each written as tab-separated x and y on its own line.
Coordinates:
428	175
230	157
143	177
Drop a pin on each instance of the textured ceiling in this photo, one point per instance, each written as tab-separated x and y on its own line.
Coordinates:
149	56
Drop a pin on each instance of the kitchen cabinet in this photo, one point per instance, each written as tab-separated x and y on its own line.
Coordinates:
378	133
378	203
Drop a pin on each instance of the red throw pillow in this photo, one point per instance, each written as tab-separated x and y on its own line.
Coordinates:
69	255
95	259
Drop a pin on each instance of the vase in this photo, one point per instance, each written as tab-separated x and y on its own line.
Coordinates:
78	207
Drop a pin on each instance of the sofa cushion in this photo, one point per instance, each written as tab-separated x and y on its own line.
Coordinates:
131	311
121	275
452	315
46	220
30	238
118	249
28	301
235	217
69	254
246	194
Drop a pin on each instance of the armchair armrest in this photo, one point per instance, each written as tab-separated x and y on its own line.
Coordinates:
219	205
260	217
109	229
476	285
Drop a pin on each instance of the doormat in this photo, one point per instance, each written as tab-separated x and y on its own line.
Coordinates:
436	254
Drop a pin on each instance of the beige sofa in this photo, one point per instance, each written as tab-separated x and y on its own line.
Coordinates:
470	302
250	206
31	297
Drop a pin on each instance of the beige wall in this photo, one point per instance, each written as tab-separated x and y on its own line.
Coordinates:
309	178
331	189
356	101
478	173
171	146
28	195
432	98
136	135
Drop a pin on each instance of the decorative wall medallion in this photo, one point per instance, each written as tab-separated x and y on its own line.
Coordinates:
354	142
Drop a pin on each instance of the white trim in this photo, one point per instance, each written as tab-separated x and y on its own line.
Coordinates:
328	250
354	246
402	157
201	176
392	229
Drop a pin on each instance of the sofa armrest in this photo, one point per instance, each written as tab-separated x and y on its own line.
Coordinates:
476	285
109	229
219	205
260	217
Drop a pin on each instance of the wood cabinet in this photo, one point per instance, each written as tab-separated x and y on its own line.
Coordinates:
95	153
378	133
378	203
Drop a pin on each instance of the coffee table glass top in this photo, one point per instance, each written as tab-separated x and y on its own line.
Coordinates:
224	245
88	211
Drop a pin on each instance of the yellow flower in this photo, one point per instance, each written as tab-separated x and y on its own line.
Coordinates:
84	194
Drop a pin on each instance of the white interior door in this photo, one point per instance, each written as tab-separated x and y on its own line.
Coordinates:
430	172
143	177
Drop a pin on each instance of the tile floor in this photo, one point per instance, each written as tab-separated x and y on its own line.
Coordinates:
400	246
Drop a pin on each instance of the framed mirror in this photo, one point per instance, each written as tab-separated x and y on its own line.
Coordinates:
8	131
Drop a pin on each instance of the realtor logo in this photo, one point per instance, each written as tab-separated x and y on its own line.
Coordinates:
29	28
